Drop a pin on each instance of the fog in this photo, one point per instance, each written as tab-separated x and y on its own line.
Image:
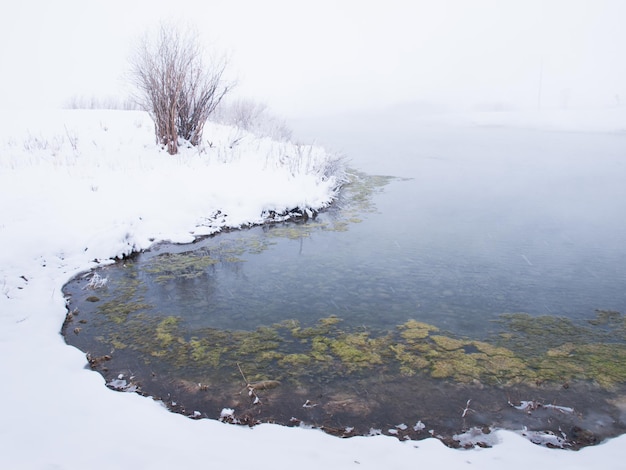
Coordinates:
322	57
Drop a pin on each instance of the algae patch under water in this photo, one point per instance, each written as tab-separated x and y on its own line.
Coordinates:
338	377
286	351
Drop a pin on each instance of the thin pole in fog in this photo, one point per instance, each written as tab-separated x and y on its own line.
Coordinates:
540	85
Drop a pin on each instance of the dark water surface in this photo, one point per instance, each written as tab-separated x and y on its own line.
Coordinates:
476	223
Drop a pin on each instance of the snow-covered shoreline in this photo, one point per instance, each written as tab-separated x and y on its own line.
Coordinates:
81	187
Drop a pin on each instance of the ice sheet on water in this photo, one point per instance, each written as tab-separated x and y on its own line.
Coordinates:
122	385
419	426
545	438
476	437
97	282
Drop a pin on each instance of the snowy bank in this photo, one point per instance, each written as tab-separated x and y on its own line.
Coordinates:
81	187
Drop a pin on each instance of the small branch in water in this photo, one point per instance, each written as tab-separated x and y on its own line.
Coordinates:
242	374
527	260
253	387
249	387
467	409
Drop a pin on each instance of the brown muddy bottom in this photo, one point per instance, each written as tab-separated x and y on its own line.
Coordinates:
571	416
558	382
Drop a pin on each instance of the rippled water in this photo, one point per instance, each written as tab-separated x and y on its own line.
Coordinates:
493	221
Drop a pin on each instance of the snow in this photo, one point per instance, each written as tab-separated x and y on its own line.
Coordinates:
81	187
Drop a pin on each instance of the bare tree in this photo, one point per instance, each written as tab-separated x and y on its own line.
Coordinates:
174	85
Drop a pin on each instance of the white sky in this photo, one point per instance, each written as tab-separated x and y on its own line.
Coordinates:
315	57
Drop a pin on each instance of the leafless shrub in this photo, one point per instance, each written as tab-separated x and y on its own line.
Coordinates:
243	113
253	117
307	159
174	85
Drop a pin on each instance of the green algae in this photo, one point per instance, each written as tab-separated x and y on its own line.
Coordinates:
188	265
357	351
469	361
168	339
411	349
413	330
608	317
323	327
196	263
532	335
599	362
295	360
296	231
356	199
166	331
259	347
446	343
361	187
526	349
118	311
127	301
320	350
203	353
327	350
411	362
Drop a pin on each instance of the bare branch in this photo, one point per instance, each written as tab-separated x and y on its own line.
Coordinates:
175	87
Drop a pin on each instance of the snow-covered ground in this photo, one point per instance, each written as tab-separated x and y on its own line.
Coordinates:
81	187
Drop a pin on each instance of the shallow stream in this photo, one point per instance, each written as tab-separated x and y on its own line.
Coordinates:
481	285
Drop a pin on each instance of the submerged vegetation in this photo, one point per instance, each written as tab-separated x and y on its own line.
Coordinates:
329	368
529	350
328	373
560	350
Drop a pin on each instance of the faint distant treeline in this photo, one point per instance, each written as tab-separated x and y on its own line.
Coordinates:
97	102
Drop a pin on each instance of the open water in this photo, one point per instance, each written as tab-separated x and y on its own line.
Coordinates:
473	223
